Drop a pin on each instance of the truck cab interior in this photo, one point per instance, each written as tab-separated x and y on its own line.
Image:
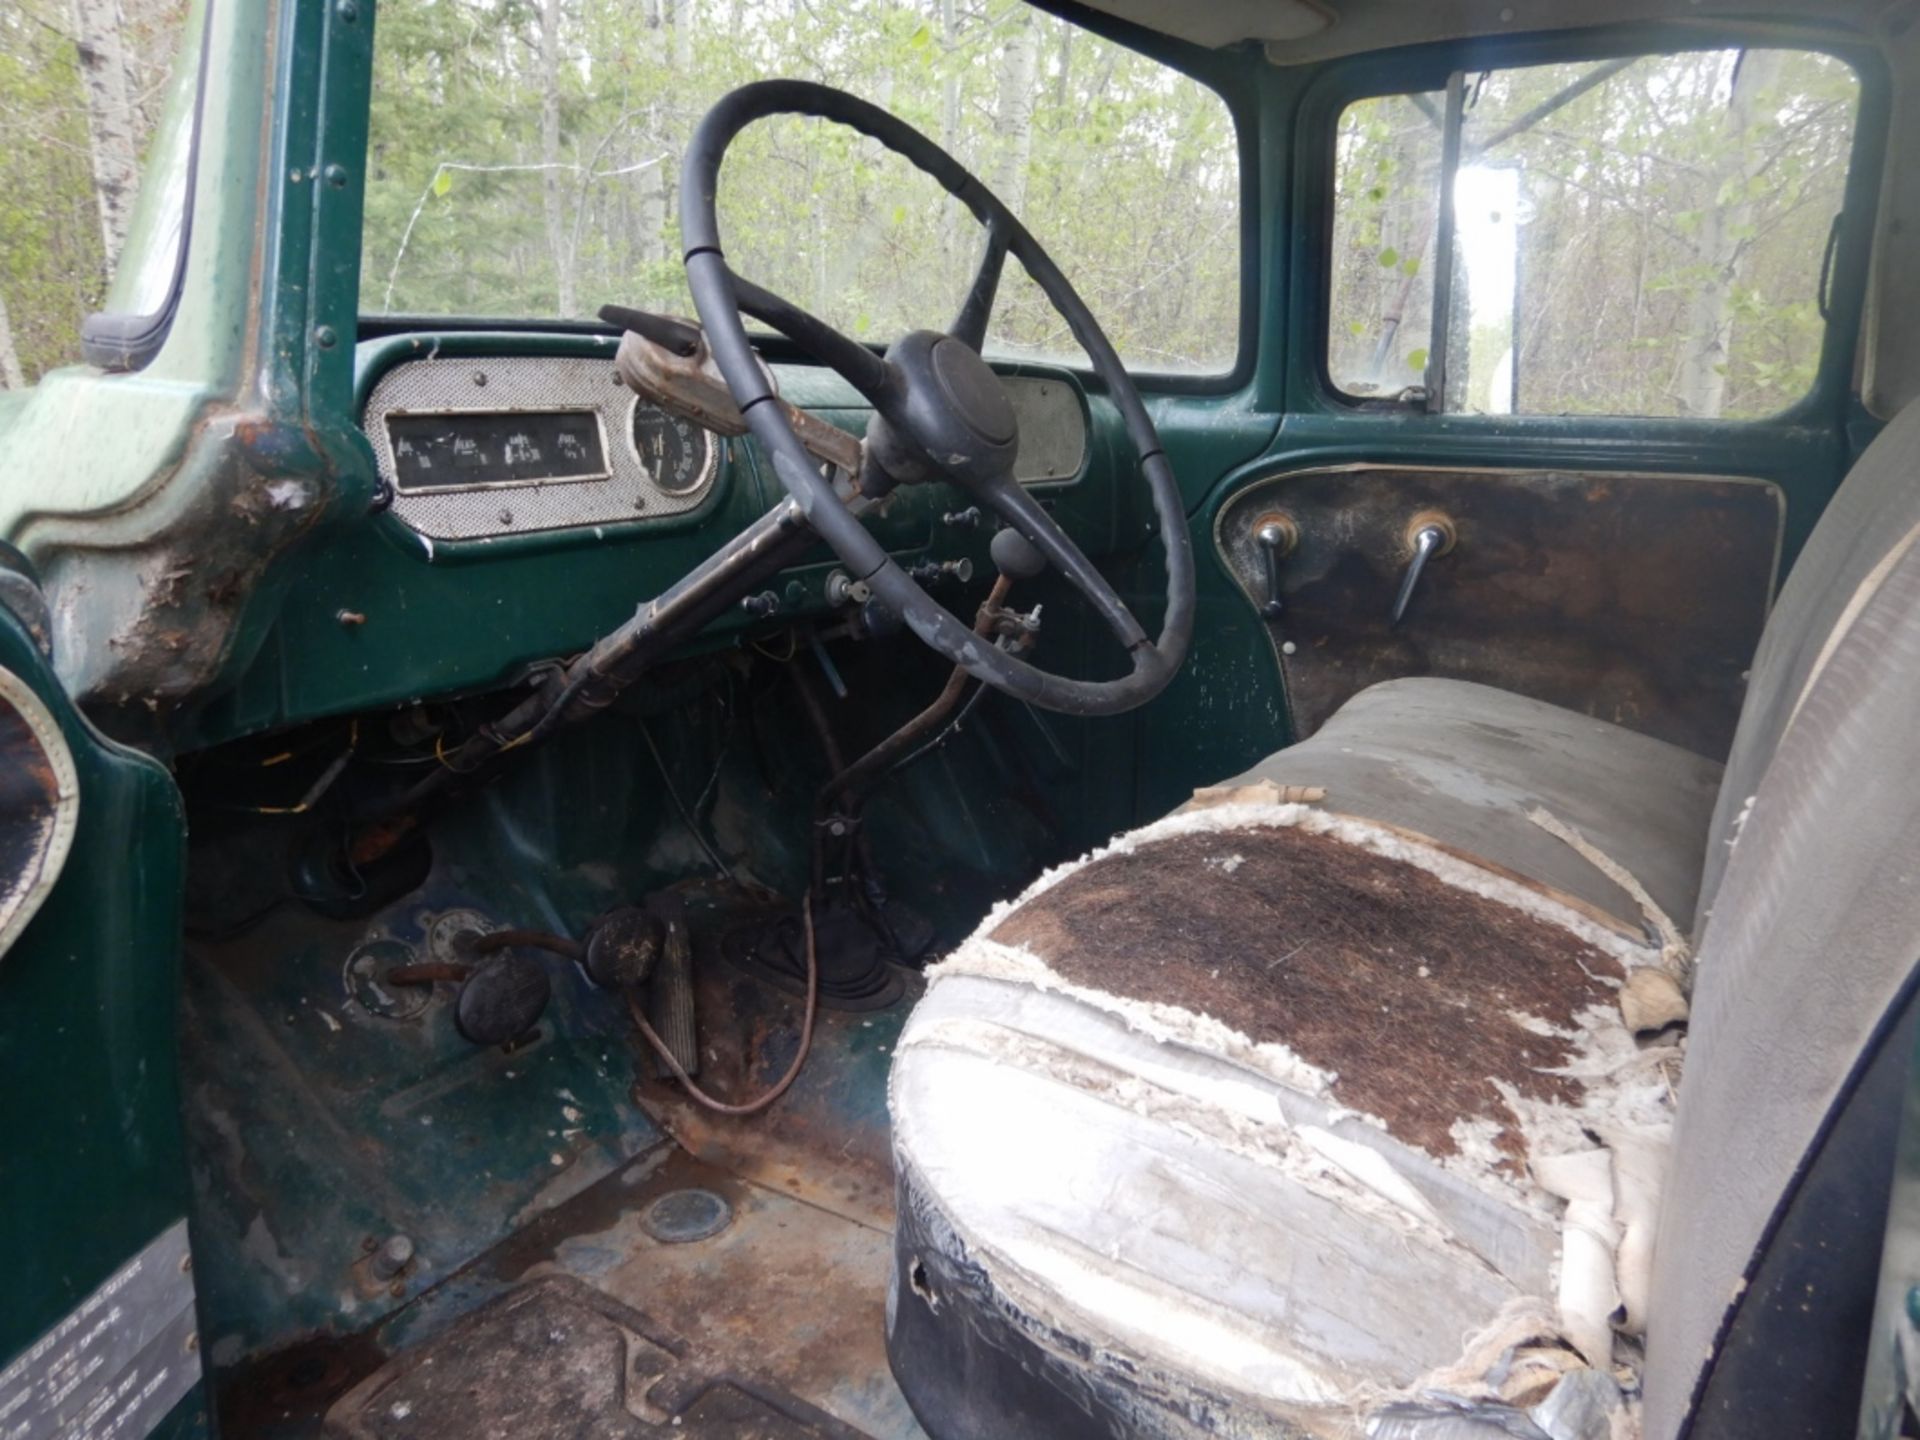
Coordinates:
975	720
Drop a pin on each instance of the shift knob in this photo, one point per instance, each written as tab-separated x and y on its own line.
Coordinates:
1017	557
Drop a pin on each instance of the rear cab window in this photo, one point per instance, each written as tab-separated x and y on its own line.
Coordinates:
1645	236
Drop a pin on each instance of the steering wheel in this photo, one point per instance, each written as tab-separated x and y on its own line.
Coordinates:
939	411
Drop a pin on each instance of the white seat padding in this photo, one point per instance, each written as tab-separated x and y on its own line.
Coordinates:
1217	1210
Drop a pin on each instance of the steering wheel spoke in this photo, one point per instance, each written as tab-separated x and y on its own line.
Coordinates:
860	367
970	325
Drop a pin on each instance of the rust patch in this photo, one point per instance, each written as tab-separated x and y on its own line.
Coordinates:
279	1391
1400	984
827	1141
1637	599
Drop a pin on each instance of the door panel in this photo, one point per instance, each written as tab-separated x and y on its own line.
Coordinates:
1636	598
97	1321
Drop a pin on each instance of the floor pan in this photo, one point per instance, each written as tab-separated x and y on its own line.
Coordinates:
554	1357
771	1325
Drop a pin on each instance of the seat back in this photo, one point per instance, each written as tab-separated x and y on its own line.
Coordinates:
1869	520
1811	909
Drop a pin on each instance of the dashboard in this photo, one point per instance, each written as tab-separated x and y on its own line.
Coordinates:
478	446
524	516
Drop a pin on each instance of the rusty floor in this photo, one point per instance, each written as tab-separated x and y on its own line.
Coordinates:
788	1292
786	1303
791	1295
588	1323
793	1291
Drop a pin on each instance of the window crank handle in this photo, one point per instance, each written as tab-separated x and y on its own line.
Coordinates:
1428	540
1274	542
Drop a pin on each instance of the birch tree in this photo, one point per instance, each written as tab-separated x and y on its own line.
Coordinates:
1013	110
112	118
12	376
552	180
1726	231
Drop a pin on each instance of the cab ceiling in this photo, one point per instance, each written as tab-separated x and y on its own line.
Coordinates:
1297	32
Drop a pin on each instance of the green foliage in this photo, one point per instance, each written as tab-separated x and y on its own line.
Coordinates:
1127	172
1671	224
53	269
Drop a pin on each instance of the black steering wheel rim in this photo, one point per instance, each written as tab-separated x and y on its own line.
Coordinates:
719	298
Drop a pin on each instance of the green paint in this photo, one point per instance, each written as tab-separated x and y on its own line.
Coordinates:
89	1095
98	473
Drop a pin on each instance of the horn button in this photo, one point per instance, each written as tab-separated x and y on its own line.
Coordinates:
952	409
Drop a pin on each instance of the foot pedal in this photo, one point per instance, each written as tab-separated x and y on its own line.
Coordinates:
670	995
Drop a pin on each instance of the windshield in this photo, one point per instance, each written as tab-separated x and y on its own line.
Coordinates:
94	178
524	162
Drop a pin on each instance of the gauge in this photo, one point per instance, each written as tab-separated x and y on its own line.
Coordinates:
466	449
678	454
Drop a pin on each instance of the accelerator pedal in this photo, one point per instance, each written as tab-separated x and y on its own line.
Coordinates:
670	995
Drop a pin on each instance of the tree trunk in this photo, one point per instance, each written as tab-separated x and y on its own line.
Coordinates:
1013	114
683	22
550	178
956	226
111	118
1725	229
12	377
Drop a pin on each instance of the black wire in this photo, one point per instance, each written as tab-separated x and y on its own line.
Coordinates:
680	805
726	736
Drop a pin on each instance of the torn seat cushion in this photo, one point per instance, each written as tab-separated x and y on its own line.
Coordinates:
1224	1131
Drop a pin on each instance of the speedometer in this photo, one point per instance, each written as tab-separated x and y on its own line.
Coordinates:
678	455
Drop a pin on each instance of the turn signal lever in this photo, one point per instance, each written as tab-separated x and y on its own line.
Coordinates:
666	362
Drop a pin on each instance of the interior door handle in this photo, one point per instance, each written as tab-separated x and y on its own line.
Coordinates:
1428	535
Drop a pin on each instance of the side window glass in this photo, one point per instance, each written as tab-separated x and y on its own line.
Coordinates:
1628	237
1385	220
82	87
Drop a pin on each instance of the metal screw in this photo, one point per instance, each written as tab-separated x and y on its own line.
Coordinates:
480	377
324	337
506	516
393	1256
348	11
337	176
350	618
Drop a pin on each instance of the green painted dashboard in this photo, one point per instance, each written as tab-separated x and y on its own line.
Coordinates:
378	614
